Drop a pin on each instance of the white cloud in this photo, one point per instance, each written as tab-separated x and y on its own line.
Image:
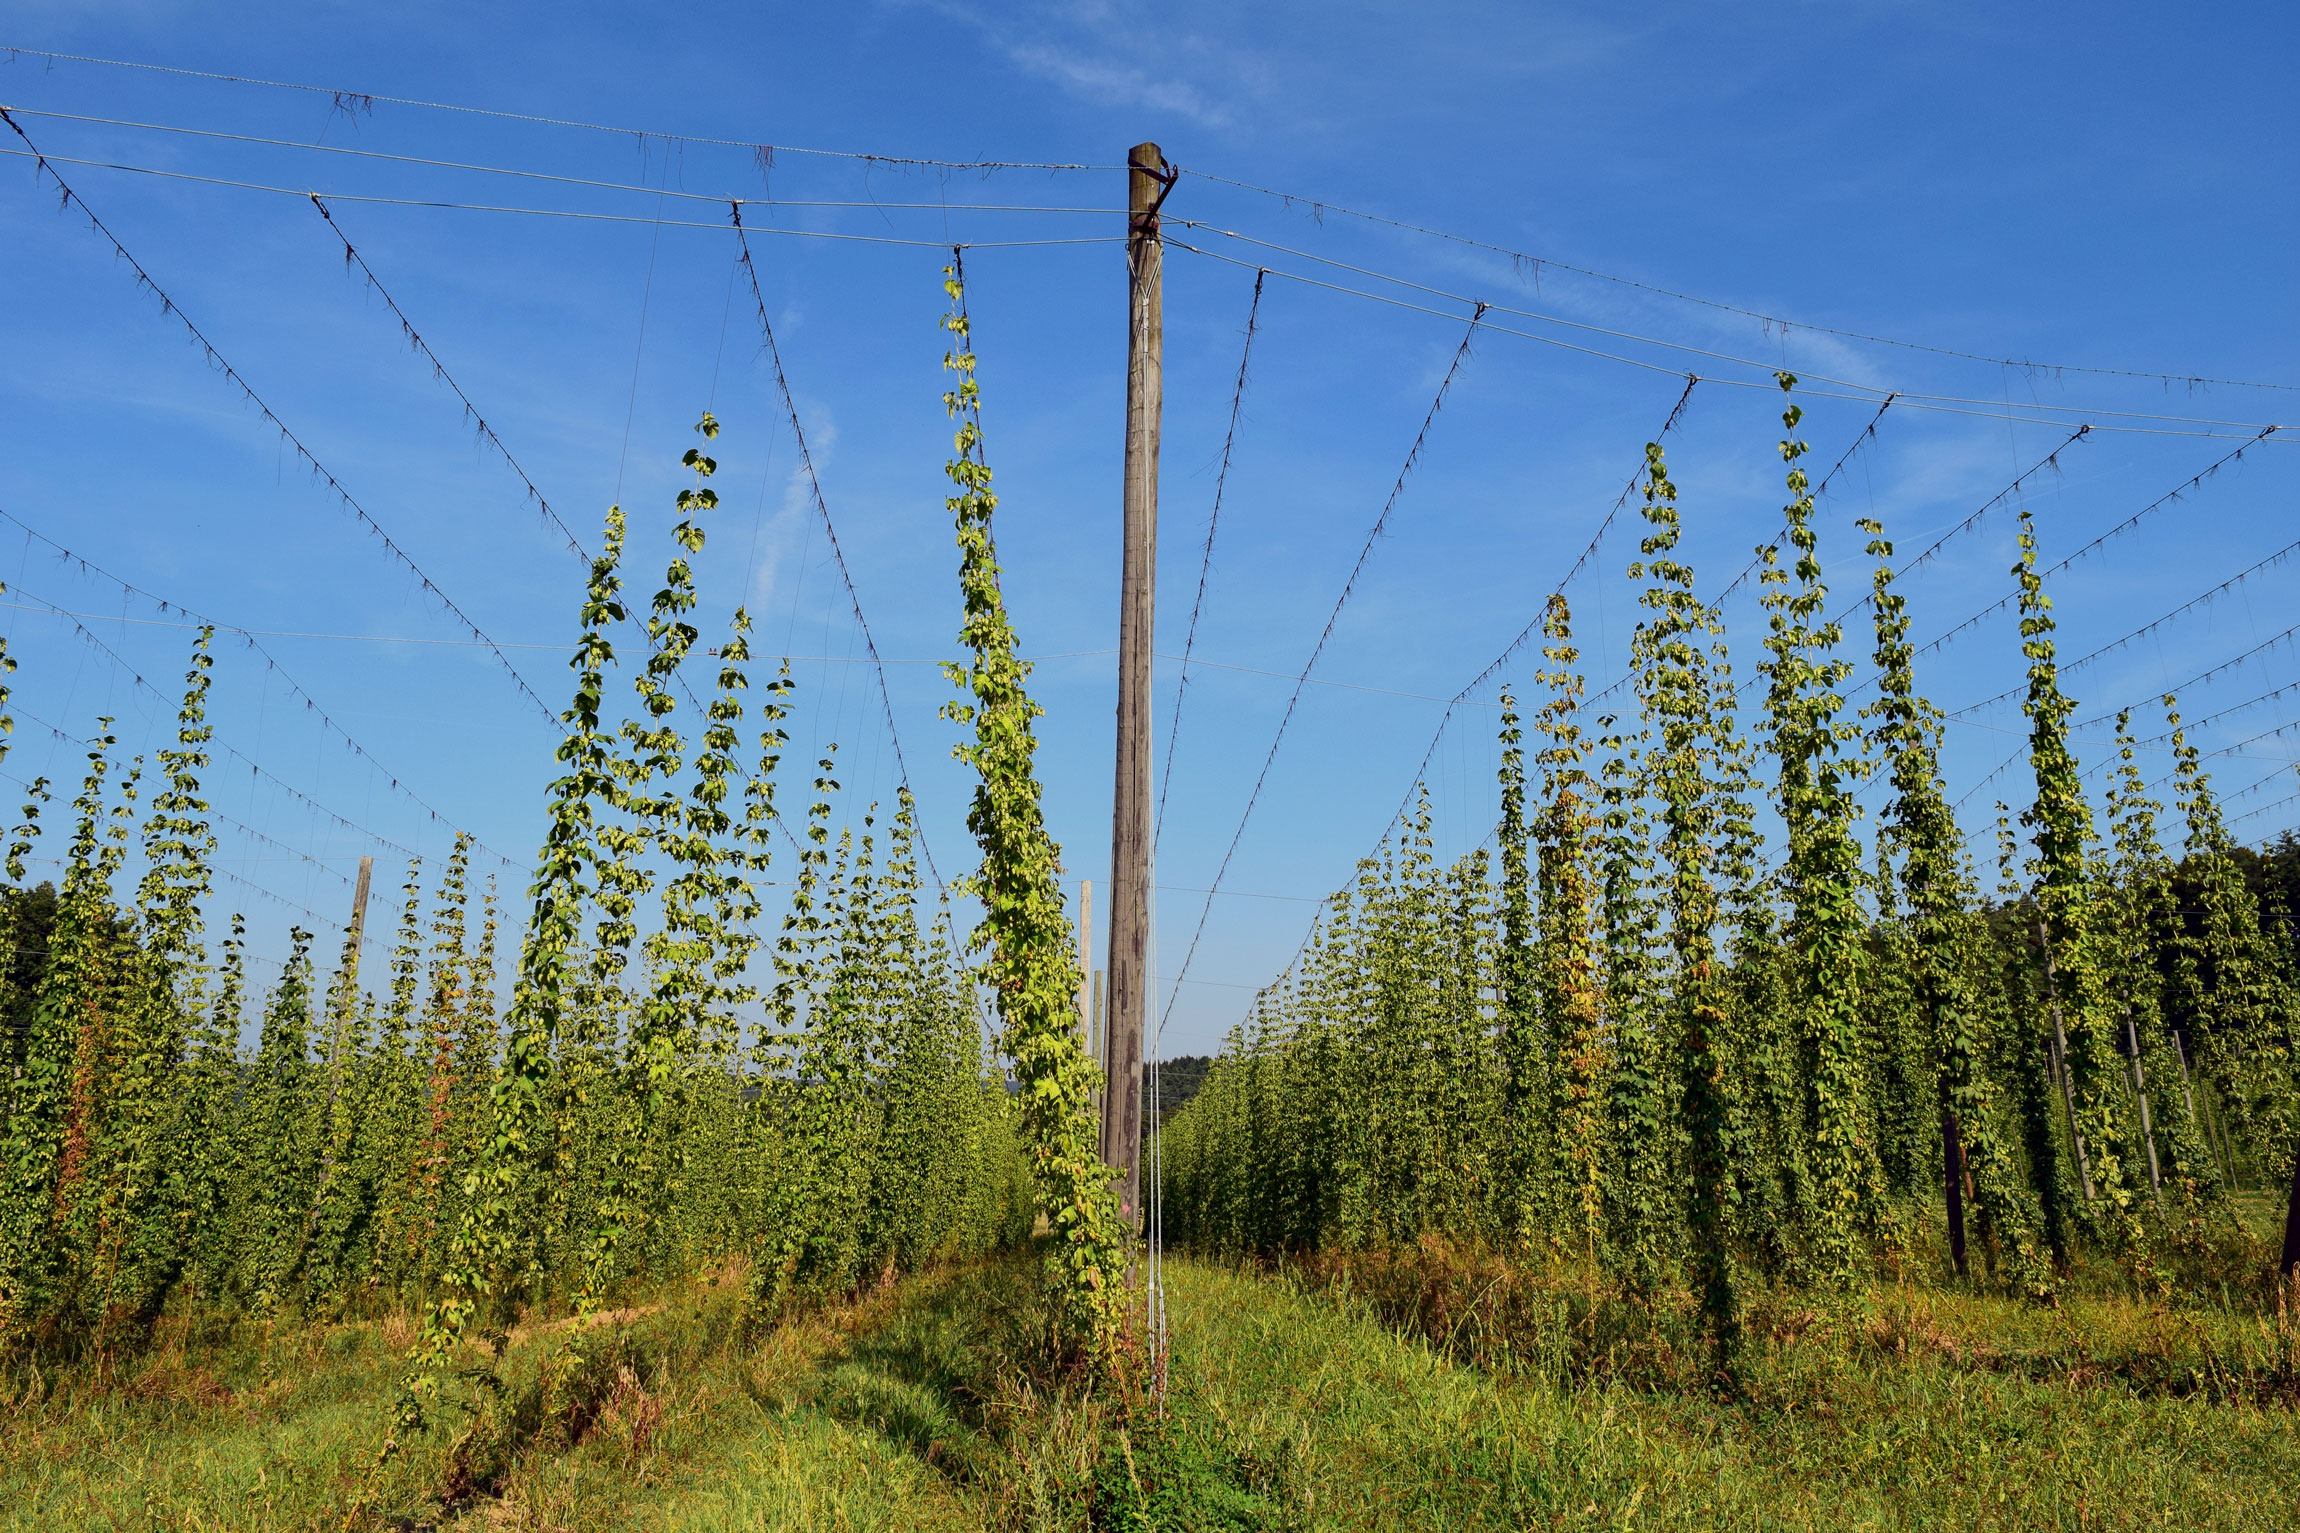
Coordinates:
1102	53
1116	84
789	535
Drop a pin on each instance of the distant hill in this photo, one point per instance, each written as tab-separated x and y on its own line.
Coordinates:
1178	1081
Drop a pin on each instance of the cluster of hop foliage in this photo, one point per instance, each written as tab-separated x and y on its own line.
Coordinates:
176	1137
1635	1043
1031	965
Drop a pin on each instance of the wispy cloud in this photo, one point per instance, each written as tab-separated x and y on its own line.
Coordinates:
1100	79
789	534
1107	54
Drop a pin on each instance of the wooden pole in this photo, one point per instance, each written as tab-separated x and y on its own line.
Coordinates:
2060	1055
1101	1035
347	997
2288	1264
1147	183
1089	997
1086	965
359	908
2140	1095
1953	1175
352	940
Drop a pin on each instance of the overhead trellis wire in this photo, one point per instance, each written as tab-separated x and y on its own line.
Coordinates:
2021	751
2169	497
295	852
1678	346
255	768
2204	677
1522	262
1349	585
544	175
67	737
1992	411
357	101
1069	654
416	342
822	507
2192	725
1945	404
2237	752
2264	808
570	213
2220	590
351	101
1206	560
2277	732
2257	785
170	308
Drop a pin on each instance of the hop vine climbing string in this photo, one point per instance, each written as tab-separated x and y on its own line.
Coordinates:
1031	965
1581	562
1462	698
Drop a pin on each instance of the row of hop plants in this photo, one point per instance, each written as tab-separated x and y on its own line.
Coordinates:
663	1089
1641	1043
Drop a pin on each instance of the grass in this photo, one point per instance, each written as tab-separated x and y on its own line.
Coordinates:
933	1405
674	1427
1387	1435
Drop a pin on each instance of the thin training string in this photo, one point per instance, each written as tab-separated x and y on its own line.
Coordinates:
1154	1185
814	483
415	341
272	667
1206	561
646	301
1581	561
1349	586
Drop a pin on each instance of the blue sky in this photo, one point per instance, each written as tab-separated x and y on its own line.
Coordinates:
2108	189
